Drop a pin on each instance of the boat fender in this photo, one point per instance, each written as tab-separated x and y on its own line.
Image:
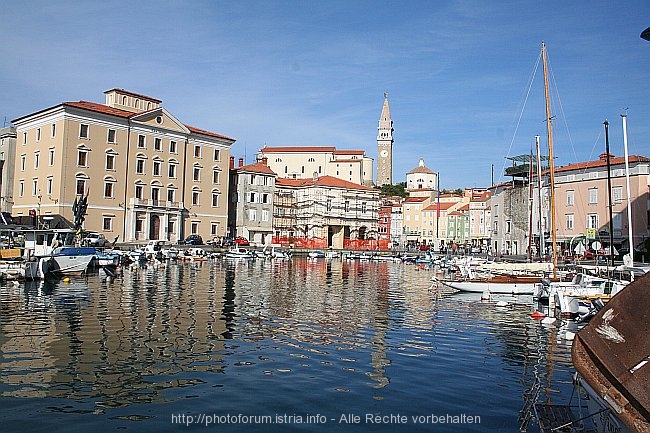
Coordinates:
43	267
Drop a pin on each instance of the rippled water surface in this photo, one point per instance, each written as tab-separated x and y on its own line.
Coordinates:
261	346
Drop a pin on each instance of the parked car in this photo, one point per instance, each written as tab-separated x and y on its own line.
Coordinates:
95	239
193	240
241	241
227	241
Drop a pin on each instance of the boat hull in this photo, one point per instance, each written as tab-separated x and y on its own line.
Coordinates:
505	288
75	265
610	355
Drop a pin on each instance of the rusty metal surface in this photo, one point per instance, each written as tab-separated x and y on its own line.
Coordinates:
608	351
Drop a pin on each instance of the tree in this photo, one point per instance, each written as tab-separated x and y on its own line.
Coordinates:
394	190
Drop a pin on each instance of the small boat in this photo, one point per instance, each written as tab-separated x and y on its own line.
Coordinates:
575	299
280	254
239	253
497	284
318	254
66	260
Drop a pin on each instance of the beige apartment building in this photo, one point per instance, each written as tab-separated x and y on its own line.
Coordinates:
306	162
147	175
581	201
412	208
479	217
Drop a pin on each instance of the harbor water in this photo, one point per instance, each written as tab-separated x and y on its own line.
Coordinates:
272	346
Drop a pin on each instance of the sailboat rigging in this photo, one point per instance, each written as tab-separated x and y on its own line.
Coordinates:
549	133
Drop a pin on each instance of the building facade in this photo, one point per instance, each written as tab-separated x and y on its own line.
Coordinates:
412	209
479	218
510	207
147	174
331	209
582	202
422	181
397	225
306	162
252	192
7	166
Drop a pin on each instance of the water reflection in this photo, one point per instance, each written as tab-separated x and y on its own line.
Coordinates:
118	343
317	335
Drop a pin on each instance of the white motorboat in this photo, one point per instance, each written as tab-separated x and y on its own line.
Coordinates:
239	253
497	284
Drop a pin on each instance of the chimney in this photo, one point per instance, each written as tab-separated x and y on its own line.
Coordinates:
603	156
232	162
241	162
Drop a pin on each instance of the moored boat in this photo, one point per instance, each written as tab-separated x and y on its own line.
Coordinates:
239	253
496	284
611	355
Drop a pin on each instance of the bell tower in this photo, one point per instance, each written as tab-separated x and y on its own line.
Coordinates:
385	146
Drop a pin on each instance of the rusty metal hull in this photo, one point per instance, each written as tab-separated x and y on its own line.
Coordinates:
612	354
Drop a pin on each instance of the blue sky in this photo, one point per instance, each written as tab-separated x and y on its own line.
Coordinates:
313	73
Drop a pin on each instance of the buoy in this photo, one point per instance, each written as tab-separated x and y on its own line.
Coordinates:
66	280
538	315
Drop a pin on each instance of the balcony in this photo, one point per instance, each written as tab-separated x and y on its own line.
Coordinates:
139	203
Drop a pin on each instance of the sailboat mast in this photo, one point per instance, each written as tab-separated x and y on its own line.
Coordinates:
627	181
551	161
530	206
609	194
542	247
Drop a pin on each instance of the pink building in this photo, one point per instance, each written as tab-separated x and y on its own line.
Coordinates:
581	201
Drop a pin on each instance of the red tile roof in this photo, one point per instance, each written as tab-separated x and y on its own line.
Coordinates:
478	197
416	199
286	149
105	109
349	152
101	108
256	167
348	160
328	181
601	163
421	169
195	130
443	205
